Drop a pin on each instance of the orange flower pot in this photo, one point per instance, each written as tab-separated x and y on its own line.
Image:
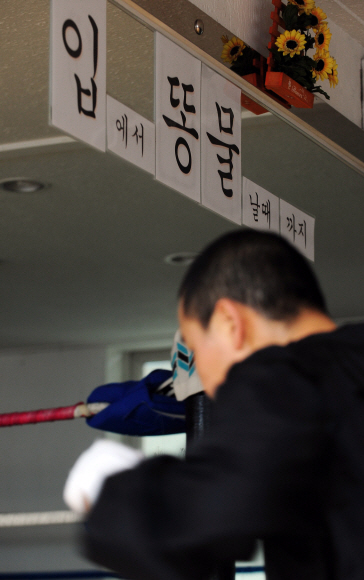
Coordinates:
289	90
257	80
246	101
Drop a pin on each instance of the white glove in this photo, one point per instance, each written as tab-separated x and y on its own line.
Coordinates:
94	465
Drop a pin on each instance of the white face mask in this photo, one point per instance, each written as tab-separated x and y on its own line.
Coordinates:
185	379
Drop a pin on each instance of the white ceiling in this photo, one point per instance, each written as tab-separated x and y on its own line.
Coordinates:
82	261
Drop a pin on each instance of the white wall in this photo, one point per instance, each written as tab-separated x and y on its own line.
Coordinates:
346	97
248	19
35	459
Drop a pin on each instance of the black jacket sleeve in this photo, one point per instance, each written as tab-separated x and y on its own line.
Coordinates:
257	475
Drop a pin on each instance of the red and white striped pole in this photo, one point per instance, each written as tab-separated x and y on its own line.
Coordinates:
56	414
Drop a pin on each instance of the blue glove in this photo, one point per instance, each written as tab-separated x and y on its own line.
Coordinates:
136	408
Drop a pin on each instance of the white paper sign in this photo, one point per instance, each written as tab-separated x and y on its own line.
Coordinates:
260	207
298	228
130	135
78	69
178	81
220	145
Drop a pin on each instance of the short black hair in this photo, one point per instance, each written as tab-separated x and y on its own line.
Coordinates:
261	270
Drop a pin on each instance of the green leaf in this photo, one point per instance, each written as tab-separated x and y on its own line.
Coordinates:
312	20
294	60
319	90
310	42
301	70
304	22
242	69
243	65
305	61
302	81
290	16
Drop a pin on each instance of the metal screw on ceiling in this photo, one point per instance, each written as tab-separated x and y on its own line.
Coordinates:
199	27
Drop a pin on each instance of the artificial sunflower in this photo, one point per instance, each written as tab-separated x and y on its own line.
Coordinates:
318	16
305	6
291	42
322	38
333	78
232	48
324	66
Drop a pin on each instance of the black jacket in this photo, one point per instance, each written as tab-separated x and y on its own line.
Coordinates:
283	462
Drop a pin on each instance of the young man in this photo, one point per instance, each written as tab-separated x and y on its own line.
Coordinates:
284	459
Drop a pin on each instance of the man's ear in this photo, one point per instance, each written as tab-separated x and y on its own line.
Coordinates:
230	317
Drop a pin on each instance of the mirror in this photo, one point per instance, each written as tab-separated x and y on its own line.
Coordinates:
82	260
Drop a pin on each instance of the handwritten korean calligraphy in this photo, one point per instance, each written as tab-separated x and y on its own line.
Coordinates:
78	69
298	227
181	141
130	136
178	79
76	53
194	146
220	145
260	207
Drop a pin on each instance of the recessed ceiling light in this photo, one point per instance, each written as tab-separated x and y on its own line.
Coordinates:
22	185
180	259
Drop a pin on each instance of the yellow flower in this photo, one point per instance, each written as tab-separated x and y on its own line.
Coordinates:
324	66
319	16
322	38
304	5
333	78
232	49
291	42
